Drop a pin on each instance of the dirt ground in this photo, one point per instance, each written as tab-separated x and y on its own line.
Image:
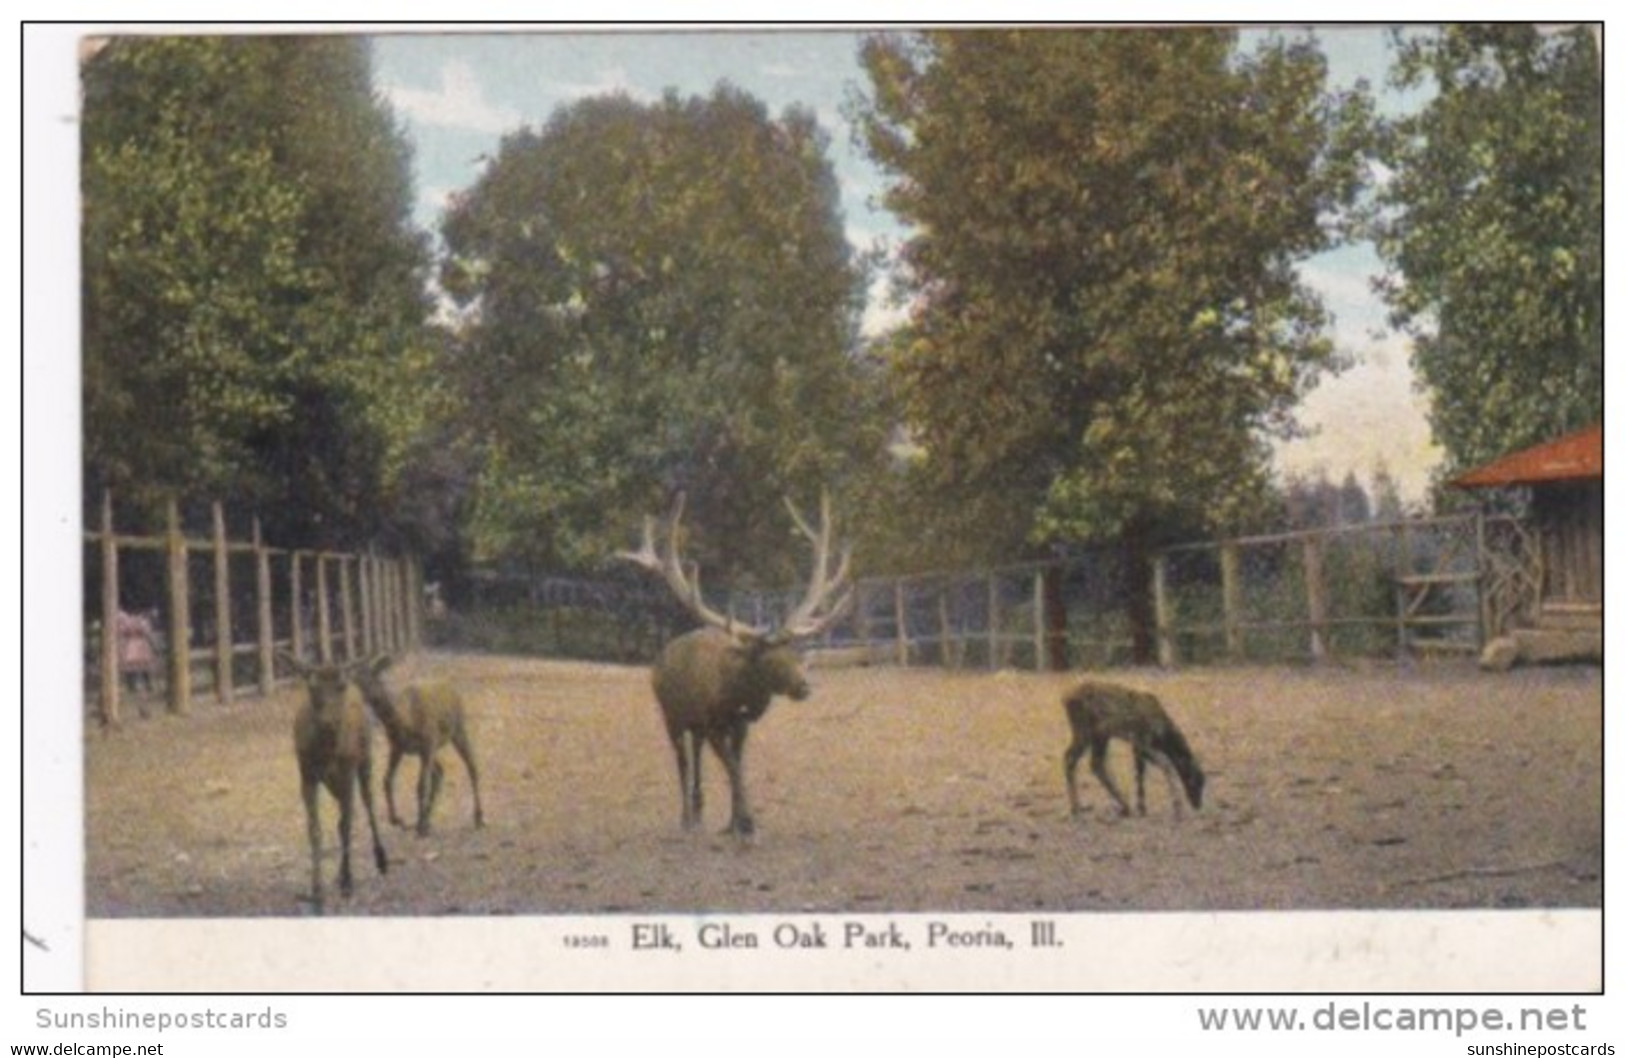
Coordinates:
890	790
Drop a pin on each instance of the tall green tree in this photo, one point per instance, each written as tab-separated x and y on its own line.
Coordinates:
253	289
1107	320
1491	227
661	298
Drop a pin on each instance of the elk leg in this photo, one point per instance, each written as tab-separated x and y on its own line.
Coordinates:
364	771
425	791
1069	765
395	756
466	751
1176	793
680	744
1139	779
346	819
438	776
308	788
1097	764
696	788
729	744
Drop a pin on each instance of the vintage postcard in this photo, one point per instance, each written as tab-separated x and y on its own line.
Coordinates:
812	509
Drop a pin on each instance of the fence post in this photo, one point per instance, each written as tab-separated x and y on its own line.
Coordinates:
1230	578
346	608
1314	588
1166	656
380	590
1402	571
1040	626
952	654
392	639
180	613
324	627
222	607
363	588
296	603
110	607
262	594
900	606
414	605
1480	549
993	620
865	630
401	604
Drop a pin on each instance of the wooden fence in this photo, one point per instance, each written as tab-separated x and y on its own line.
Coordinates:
335	605
1403	588
1417	587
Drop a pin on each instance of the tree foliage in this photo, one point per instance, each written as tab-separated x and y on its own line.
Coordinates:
1492	231
660	297
1107	321
252	287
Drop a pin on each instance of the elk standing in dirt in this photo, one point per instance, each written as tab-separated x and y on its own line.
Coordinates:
1100	712
333	739
419	720
714	682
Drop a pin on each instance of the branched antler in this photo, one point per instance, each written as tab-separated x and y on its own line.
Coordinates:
827	598
684	585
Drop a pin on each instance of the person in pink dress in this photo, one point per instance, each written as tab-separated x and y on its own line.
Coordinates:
137	649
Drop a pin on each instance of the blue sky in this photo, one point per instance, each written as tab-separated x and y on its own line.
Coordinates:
457	94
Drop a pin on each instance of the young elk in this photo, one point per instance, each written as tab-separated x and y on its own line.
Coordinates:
420	720
713	683
333	739
1100	712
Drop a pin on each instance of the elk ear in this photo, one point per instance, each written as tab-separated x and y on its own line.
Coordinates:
378	664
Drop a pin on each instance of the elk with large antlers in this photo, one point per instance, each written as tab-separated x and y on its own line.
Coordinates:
714	682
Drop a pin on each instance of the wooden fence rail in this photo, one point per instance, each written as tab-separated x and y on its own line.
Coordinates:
1423	586
377	599
1403	587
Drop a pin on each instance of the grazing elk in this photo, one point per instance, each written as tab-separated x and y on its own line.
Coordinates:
333	738
1100	712
420	720
714	682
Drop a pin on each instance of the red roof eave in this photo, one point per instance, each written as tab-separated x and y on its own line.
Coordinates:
1577	456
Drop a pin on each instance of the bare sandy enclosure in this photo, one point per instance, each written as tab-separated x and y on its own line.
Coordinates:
893	790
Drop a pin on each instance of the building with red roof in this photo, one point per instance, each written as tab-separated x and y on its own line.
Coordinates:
1564	480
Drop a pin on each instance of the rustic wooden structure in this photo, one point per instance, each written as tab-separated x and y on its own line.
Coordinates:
385	617
1558	612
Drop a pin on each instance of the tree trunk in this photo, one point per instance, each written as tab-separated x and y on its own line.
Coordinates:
1137	589
1055	622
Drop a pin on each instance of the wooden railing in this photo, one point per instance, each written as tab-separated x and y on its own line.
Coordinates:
337	605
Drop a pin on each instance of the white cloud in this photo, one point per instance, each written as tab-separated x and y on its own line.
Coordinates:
458	103
881	316
434	200
608	81
1369	416
1343	287
784	71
